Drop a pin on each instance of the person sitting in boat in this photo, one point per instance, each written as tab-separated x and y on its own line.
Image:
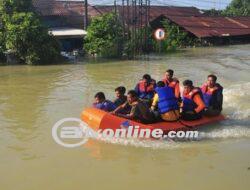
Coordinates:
145	88
102	103
213	96
165	102
192	104
139	112
121	98
173	83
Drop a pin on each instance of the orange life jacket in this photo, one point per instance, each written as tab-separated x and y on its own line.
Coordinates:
145	87
171	84
188	100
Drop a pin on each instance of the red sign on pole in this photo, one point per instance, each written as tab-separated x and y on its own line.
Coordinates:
160	34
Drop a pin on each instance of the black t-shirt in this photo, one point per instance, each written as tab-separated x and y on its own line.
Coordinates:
120	101
141	112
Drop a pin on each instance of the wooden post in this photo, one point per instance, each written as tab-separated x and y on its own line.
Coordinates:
86	14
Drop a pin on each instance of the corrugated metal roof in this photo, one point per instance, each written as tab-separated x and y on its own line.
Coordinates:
190	18
55	7
156	11
203	27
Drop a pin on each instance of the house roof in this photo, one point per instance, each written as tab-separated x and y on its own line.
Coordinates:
204	26
156	11
71	8
63	8
189	18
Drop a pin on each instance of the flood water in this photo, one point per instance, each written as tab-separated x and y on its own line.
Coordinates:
34	98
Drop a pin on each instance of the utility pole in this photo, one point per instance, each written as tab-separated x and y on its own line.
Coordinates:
214	4
136	18
115	7
123	17
86	14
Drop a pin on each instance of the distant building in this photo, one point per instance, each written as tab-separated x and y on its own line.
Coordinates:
66	21
215	30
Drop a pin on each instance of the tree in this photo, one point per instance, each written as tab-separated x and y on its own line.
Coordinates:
176	38
105	36
2	45
11	6
23	34
212	12
238	8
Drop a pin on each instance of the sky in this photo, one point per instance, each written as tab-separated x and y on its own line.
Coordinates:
202	4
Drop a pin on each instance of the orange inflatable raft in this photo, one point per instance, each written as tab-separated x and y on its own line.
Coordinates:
98	119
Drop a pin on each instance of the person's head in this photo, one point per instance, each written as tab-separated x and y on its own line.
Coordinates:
160	84
99	97
211	80
120	91
146	77
169	74
188	86
132	96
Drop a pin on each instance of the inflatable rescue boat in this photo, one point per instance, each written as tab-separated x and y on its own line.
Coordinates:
98	119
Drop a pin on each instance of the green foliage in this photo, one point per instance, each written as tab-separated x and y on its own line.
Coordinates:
235	8
2	44
176	38
23	34
136	43
11	6
238	8
29	39
105	36
212	12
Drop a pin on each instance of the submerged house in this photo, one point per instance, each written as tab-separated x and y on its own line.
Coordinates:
214	30
66	20
209	29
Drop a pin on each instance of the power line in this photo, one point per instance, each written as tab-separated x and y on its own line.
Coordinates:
191	2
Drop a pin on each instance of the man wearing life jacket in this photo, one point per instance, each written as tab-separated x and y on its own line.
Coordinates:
146	87
192	102
172	83
102	103
212	96
165	102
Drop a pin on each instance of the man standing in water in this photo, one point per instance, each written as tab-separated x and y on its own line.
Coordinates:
212	96
172	82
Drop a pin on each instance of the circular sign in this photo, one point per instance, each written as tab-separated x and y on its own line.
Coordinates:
78	132
160	34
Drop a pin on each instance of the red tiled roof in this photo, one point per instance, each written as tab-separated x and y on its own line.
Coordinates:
55	7
63	8
213	26
156	11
